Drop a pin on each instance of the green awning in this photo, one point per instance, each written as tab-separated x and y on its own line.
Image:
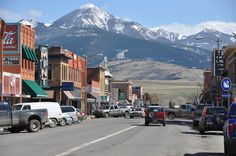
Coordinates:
25	53
32	88
29	54
34	55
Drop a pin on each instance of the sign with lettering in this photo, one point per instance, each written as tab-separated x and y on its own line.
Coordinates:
43	66
218	62
11	60
10	38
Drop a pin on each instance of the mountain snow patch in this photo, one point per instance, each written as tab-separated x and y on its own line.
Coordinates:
121	54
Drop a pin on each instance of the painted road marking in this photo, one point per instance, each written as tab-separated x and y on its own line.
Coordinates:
93	142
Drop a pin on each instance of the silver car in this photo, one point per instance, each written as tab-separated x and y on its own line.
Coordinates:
70	110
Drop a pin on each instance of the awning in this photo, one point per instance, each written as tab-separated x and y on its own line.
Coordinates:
29	54
69	95
33	89
73	95
34	55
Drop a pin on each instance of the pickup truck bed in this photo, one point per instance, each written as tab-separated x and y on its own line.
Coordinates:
16	121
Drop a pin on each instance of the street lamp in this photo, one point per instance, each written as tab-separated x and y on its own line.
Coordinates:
215	38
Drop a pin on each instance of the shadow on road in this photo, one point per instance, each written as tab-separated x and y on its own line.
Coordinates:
206	133
204	154
150	125
179	122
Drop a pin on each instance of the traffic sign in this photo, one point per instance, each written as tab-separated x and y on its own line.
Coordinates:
226	84
225	95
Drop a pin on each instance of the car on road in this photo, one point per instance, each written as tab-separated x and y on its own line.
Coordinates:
155	114
184	111
229	131
108	111
198	112
71	111
53	108
18	120
125	109
209	120
136	112
80	115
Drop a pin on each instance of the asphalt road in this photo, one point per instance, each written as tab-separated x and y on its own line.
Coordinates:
114	137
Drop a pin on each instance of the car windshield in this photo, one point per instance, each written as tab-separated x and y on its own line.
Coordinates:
200	107
155	109
16	107
213	111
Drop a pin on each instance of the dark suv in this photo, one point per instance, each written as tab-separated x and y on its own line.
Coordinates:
209	120
155	114
197	113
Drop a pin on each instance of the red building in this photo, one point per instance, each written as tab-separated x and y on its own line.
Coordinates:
19	64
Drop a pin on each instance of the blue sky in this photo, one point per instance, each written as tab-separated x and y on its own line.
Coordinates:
149	13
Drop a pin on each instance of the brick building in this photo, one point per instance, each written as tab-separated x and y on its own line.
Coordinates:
97	75
124	89
230	66
19	64
67	74
2	30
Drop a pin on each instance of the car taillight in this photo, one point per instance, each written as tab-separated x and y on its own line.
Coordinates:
204	115
145	112
230	128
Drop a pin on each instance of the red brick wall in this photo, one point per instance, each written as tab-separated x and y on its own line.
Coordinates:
207	80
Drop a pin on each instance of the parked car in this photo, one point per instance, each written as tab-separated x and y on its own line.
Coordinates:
53	108
155	114
18	120
136	112
107	111
66	119
71	111
80	115
229	131
209	119
125	109
184	111
198	112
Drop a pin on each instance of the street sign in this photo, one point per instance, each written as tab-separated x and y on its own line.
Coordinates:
225	95
218	62
226	84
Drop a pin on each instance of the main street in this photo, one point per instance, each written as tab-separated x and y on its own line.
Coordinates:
114	137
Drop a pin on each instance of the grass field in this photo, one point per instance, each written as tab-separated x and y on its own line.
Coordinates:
176	91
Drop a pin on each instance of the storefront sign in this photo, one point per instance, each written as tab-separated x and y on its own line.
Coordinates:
10	38
11	60
44	66
11	84
67	86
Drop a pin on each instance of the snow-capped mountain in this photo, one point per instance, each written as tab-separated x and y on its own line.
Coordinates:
208	39
91	16
208	35
166	34
92	30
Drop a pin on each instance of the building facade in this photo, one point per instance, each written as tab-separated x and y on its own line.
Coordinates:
2	31
66	76
124	89
230	67
19	64
98	74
